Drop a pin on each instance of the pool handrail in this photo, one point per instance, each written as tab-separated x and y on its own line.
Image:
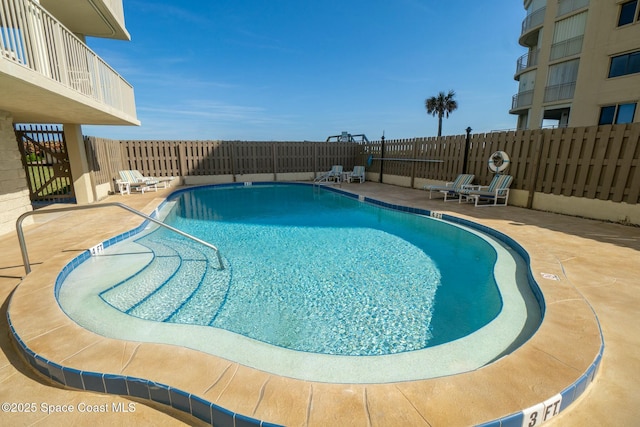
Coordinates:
23	245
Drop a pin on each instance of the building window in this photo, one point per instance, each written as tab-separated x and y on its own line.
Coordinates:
617	114
625	64
628	13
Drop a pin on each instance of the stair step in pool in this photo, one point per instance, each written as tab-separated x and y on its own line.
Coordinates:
139	286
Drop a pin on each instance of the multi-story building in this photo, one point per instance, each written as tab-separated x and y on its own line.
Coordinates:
582	67
48	75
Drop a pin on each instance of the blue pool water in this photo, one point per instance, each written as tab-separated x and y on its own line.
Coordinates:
312	270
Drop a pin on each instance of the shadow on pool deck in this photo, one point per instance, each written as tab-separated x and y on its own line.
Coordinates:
593	259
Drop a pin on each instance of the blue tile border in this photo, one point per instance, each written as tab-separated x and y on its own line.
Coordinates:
220	417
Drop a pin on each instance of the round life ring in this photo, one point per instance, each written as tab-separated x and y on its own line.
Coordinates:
498	161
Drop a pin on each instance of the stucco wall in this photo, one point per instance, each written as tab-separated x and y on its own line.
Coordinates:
14	193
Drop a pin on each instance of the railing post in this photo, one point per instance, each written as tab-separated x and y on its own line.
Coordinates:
381	157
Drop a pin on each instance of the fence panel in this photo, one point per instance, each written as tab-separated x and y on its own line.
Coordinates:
585	162
592	162
628	172
105	159
294	157
572	161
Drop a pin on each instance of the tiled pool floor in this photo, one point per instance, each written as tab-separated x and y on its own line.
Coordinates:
593	260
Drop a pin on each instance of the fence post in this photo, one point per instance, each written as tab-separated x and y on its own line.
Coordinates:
182	160
414	164
466	149
315	160
533	177
381	157
274	149
232	147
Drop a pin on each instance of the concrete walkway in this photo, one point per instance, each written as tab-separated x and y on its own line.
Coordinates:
597	262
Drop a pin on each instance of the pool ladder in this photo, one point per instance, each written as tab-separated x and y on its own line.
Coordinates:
23	245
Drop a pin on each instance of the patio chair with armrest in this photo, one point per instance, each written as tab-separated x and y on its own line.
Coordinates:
335	174
357	173
497	190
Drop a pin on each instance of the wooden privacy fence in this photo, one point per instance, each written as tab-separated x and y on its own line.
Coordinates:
599	162
197	158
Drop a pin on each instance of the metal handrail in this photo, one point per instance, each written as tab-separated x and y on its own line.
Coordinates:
23	245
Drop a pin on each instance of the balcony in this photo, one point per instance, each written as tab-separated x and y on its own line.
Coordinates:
528	60
97	18
521	100
568	6
532	22
48	75
566	48
559	92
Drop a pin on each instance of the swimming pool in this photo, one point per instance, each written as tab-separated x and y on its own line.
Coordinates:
385	285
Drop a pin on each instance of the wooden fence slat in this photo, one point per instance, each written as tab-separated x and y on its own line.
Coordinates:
593	184
573	159
566	141
585	162
613	154
629	165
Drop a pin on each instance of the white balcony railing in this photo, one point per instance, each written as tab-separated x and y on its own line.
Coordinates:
32	37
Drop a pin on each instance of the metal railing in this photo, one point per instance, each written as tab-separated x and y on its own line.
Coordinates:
23	245
527	60
32	37
522	99
534	19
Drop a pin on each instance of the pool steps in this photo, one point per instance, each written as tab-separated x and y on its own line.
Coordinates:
158	291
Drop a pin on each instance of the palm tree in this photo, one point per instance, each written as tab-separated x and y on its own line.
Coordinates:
441	105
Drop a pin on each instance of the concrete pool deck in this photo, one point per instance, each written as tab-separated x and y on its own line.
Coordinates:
594	261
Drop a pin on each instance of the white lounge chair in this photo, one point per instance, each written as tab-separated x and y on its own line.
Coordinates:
497	190
451	189
357	173
129	180
164	180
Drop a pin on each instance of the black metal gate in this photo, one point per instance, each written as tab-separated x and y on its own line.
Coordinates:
46	162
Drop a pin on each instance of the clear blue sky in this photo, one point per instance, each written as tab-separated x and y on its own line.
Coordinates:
303	70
